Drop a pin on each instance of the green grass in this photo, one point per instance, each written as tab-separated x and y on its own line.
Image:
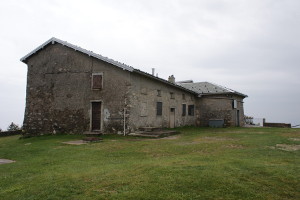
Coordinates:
200	163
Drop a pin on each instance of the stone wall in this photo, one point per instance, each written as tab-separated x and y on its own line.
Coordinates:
277	125
220	107
59	93
144	96
10	133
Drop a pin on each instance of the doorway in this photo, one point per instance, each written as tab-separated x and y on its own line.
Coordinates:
172	117
237	118
96	116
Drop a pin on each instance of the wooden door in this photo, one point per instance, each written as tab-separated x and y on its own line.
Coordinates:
172	118
96	116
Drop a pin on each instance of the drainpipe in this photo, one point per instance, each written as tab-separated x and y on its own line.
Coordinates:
124	122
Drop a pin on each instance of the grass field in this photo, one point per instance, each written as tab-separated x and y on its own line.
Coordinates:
199	163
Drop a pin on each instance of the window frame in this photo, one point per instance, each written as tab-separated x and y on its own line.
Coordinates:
92	81
172	95
158	93
183	109
159	108
191	110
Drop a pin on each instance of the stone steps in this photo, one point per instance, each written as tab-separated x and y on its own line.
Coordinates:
92	133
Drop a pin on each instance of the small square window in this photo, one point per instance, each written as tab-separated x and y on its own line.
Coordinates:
172	95
159	93
97	81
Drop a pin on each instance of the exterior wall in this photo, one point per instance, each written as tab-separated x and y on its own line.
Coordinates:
59	92
143	99
220	107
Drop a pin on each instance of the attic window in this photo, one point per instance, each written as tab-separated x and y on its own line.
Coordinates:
97	81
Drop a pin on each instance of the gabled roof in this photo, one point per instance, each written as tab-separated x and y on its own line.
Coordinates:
207	88
123	66
77	48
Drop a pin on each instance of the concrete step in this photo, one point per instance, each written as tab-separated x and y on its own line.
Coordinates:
92	133
154	134
150	129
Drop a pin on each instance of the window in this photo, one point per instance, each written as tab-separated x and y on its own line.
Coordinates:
97	81
159	93
172	95
183	96
191	109
159	108
234	104
183	109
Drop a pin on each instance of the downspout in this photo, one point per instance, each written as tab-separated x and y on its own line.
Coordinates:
124	131
124	119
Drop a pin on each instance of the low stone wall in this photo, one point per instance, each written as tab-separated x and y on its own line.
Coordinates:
9	133
277	125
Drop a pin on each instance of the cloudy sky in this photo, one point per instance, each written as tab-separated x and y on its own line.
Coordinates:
249	46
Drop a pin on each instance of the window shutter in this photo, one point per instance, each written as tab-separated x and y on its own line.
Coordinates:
97	81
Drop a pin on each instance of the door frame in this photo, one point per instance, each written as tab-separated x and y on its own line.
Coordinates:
91	114
174	114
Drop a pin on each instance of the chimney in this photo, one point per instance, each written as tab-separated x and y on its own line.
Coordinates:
153	71
171	79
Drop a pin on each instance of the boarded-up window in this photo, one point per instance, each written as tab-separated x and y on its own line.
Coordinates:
159	93
172	96
191	110
97	81
159	108
143	109
183	109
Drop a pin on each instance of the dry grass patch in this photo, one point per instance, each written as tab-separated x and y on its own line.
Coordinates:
294	139
288	147
235	146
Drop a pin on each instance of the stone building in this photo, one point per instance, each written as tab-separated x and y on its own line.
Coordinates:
70	89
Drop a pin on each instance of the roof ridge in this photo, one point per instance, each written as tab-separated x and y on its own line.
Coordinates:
78	48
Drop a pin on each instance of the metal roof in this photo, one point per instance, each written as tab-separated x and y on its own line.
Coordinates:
201	88
206	88
54	40
77	48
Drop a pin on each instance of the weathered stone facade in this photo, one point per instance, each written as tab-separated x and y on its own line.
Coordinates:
61	97
221	107
146	92
59	93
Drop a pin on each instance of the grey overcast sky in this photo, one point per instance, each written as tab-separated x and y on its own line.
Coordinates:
251	46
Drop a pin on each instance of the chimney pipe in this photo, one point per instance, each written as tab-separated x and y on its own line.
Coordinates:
153	71
171	79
